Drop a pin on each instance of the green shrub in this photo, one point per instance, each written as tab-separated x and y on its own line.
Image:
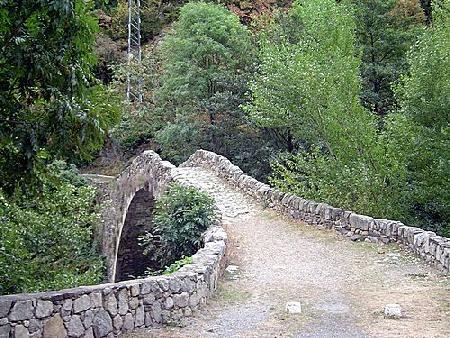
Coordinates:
46	236
182	214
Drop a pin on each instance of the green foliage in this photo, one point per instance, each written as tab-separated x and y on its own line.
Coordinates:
204	62
46	241
47	97
308	83
386	29
140	121
177	265
182	214
423	95
401	172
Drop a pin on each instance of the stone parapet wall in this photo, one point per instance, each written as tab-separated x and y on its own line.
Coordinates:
108	310
434	249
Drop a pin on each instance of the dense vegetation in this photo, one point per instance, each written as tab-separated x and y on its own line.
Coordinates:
51	108
344	102
182	214
45	240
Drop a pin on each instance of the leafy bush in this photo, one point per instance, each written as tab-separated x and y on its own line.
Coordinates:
177	265
182	214
46	240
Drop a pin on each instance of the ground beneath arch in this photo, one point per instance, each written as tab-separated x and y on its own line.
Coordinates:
342	286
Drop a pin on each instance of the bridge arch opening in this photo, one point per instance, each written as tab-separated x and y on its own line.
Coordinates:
131	261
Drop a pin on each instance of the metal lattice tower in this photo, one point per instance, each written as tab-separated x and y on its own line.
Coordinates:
134	81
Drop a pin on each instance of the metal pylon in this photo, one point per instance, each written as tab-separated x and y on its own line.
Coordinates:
134	81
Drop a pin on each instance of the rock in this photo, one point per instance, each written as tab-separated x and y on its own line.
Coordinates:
361	222
4	330
88	318
128	323
34	325
44	308
102	323
293	307
148	319
140	315
182	299
89	333
67	305
149	299
174	285
194	300
355	238
164	284
123	301
54	327
168	303
134	303
20	331
37	334
392	311
5	305
134	290
118	322
82	304
232	269
22	310
96	300
111	304
157	312
75	327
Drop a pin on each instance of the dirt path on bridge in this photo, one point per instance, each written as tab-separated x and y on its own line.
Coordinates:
342	286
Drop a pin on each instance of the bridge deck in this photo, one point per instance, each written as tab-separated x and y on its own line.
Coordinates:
342	286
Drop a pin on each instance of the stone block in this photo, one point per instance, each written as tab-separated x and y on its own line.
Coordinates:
293	307
96	300
44	308
22	310
392	311
181	300
102	323
75	327
82	304
54	328
360	221
128	323
111	304
21	331
5	306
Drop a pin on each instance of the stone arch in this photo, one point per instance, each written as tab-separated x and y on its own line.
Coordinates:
131	260
147	172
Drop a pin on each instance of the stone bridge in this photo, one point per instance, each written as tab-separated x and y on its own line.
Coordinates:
283	252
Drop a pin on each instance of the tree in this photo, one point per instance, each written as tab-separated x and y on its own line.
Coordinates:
423	96
206	60
386	29
308	83
49	104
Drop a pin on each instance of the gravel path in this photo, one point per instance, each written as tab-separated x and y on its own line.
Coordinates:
342	286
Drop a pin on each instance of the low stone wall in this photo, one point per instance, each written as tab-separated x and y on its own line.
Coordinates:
434	249
108	310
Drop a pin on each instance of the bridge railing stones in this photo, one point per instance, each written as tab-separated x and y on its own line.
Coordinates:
108	310
434	249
